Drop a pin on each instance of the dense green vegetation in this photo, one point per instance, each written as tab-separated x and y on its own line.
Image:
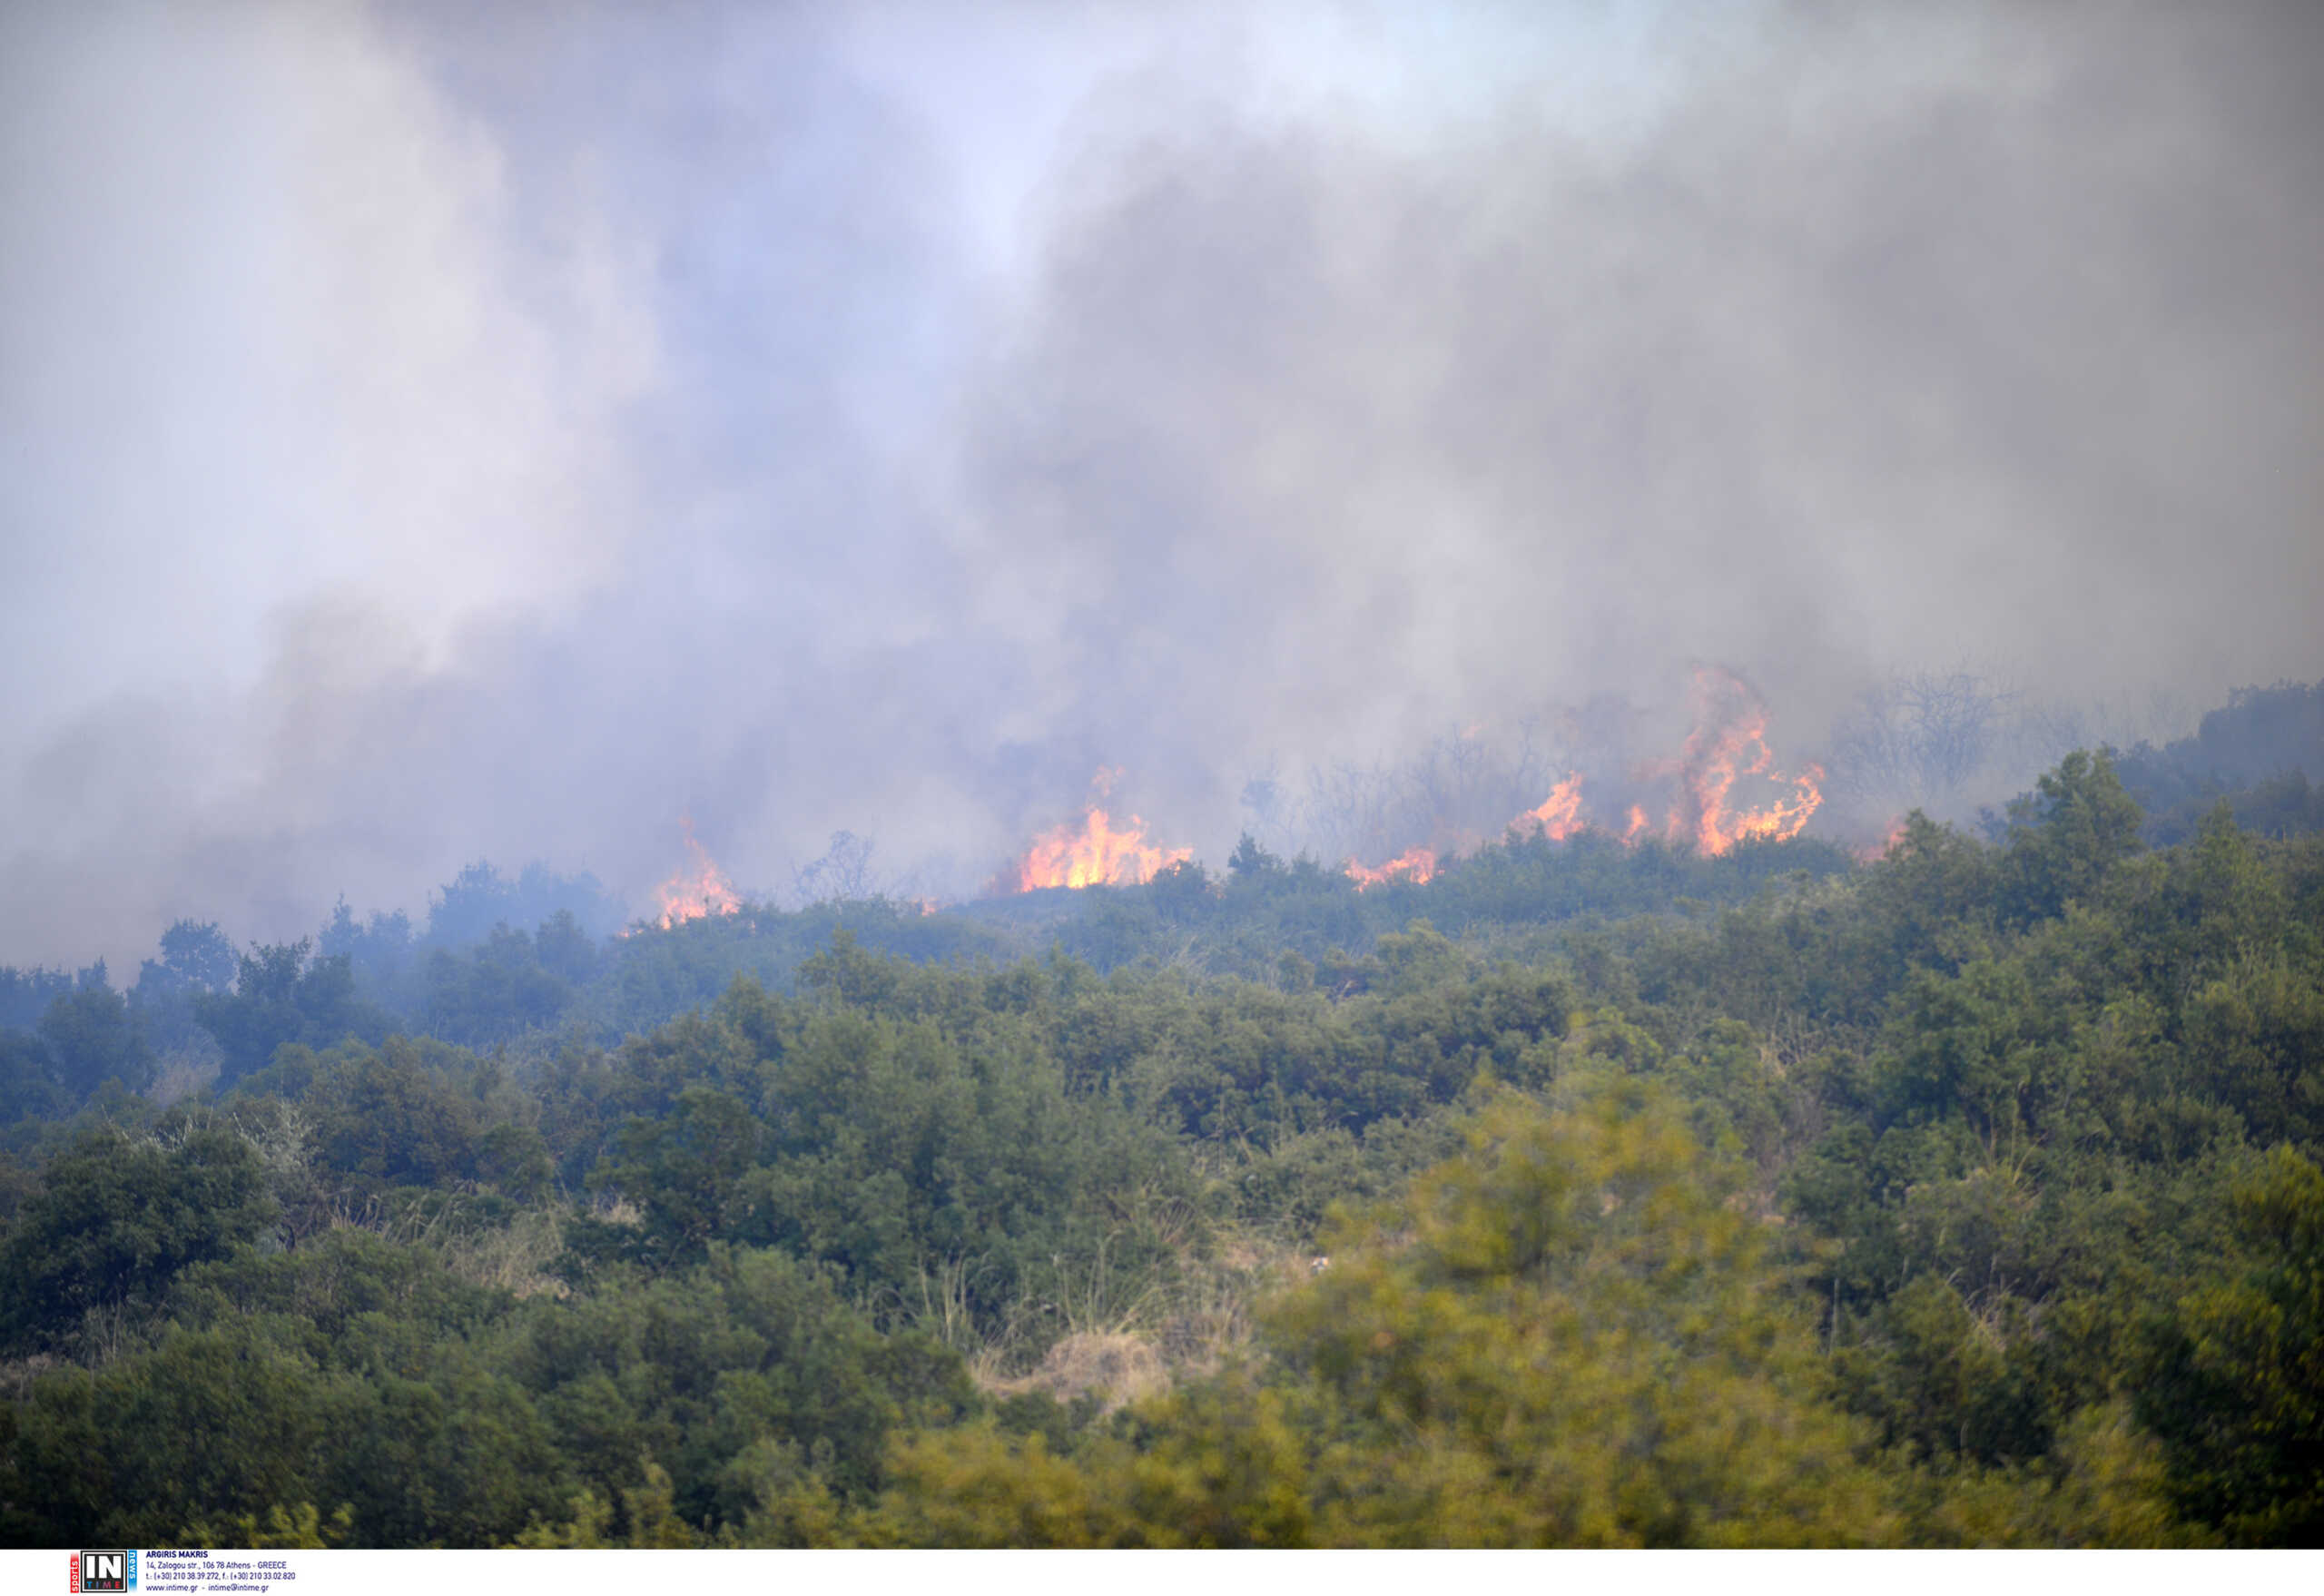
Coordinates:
1581	1195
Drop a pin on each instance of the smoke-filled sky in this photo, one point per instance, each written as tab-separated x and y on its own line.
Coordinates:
435	432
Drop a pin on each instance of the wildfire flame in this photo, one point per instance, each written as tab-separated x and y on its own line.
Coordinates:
1726	747
699	891
1727	744
1732	723
1093	852
1415	865
1559	816
1872	853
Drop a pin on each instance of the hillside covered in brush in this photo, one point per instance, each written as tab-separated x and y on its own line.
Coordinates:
1583	1193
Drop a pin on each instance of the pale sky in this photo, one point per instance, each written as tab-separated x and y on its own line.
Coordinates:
441	432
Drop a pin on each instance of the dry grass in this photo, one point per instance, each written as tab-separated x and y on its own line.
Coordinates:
1125	1342
181	1074
17	1374
512	1258
283	1141
1117	1368
616	1210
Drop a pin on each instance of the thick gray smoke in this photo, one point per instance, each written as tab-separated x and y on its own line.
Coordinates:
459	432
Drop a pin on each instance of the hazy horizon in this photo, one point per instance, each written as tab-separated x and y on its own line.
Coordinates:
441	435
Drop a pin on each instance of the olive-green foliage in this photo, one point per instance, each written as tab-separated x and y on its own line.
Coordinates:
1572	1335
362	1374
2101	1486
28	1085
94	1037
1964	1198
341	1373
1265	908
116	1218
280	996
644	979
409	1115
211	1423
506	986
2078	827
1294	1183
739	1377
917	1135
905	1123
1569	1335
2236	1385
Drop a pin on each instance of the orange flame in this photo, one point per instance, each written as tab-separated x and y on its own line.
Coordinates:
1732	723
699	892
1727	749
1415	865
1872	853
1727	744
1092	853
1559	816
